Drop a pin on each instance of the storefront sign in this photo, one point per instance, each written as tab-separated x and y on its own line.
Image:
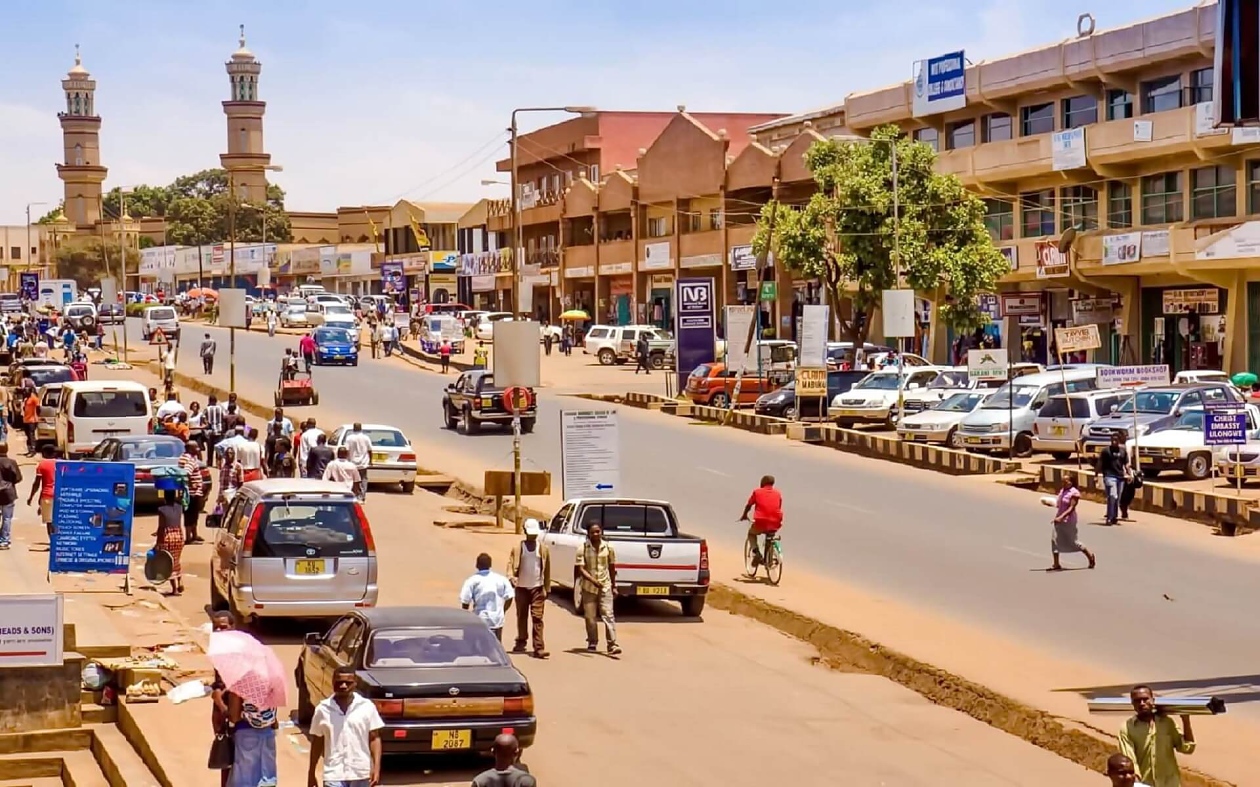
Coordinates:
1234	243
1067	149
1129	376
693	325
1095	310
482	283
940	84
1155	243
813	336
660	281
1051	263
616	268
811	382
1203	300
656	257
768	291
92	515
1077	338
701	261
583	272
1122	248
988	304
743	259
1011	253
31	630
1224	428
1028	305
987	364
392	279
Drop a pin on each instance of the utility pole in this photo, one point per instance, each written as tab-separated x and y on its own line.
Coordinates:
754	327
105	254
901	342
231	280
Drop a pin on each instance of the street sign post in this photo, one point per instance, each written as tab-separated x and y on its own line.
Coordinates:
995	365
1227	427
590	453
1133	377
517	367
91	517
1074	339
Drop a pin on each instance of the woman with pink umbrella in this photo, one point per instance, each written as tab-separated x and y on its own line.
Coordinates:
256	684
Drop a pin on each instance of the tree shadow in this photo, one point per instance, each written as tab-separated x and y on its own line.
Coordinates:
1232	688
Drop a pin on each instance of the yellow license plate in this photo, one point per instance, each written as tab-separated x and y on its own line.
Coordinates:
380	457
652	590
308	567
450	740
1058	430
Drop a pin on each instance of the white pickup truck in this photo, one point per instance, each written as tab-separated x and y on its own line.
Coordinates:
654	560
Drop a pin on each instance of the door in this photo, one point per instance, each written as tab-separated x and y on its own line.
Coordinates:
227	545
626	342
309	550
321	661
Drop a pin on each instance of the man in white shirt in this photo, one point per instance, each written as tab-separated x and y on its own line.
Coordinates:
488	594
235	440
346	732
169	409
360	447
341	470
249	454
310	435
286	426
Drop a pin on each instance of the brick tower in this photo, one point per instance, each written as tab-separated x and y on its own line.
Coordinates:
81	170
245	156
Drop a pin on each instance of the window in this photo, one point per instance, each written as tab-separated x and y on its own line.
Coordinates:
111	404
693	221
960	135
715	218
929	137
1161	95
1038	213
1119	104
310	528
15	252
594	173
1201	86
1078	206
1213	193
1079	111
996	127
1253	186
1119	205
1162	201
242	140
78	155
999	219
658	227
1036	119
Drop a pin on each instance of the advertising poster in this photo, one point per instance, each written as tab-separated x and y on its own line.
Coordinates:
1051	263
1122	248
940	84
92	514
590	453
739	321
813	348
30	286
693	325
31	630
392	280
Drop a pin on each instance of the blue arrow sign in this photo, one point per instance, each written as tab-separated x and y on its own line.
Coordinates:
603	487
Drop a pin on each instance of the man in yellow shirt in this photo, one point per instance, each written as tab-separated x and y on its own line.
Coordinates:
1152	741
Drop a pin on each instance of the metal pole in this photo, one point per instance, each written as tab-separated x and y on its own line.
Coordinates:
516	469
901	343
231	280
754	328
27	255
518	234
122	264
1010	403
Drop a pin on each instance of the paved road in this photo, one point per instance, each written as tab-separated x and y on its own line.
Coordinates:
954	545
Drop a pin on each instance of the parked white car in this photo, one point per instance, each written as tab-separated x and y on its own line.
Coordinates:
939	423
294	316
613	344
1180	447
393	458
1061	423
484	330
874	399
1201	376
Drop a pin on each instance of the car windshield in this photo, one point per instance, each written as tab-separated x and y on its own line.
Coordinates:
1190	421
629	518
950	379
386	438
879	382
151	448
333	335
1002	399
43	375
960	403
1160	402
308	529
164	313
111	404
448	646
336	308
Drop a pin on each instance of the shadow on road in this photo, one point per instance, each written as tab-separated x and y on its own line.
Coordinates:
1232	688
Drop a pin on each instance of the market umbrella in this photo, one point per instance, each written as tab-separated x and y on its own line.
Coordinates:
202	292
1244	379
249	669
575	314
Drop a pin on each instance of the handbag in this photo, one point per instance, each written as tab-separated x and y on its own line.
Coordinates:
222	751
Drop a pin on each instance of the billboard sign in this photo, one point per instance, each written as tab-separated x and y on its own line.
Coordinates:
694	325
940	84
91	517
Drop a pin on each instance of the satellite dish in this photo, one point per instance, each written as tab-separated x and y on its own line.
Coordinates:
1066	240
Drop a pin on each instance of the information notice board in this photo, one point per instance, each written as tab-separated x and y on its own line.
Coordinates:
590	453
92	516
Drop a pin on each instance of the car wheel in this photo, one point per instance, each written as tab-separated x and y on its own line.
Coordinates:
720	399
470	424
408	487
789	413
1061	456
315	398
448	417
657	361
953	439
1199	466
279	399
575	599
844	424
607	357
692	606
1023	445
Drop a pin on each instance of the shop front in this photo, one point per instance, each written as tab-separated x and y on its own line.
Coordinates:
656	285
579	290
441	284
1183	327
618	304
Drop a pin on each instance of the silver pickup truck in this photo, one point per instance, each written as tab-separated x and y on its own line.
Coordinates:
654	560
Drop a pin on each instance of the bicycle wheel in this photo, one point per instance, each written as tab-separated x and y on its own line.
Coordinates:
774	564
750	568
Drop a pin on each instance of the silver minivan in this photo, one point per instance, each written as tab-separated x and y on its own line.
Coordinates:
1010	413
293	547
1060	424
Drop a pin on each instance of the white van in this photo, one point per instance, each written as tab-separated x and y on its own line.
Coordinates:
1009	415
89	412
160	317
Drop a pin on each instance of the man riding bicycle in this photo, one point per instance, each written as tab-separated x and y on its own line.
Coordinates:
766	505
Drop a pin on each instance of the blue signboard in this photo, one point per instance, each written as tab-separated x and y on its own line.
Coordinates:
92	514
1224	428
694	322
940	84
29	286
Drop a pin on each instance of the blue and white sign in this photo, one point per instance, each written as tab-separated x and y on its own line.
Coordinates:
1224	428
91	517
940	84
694	325
1127	376
1067	149
590	453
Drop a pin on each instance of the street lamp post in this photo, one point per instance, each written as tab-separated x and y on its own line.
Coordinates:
232	254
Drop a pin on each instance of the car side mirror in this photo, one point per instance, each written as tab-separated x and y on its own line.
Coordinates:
313	639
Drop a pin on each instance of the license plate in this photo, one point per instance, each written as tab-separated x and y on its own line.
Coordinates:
308	567
339	357
849	412
917	438
450	740
980	440
1058	431
652	590
380	457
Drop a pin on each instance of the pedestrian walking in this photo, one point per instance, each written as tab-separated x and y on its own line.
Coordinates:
529	571
641	354
319	457
30	418
597	566
488	594
283	464
220	620
272	321
1113	466
231	476
481	356
1064	536
444	352
45	485
1121	772
254	738
1151	740
190	463
359	444
208	348
383	333
305	442
212	423
345	732
170	537
374	338
250	454
10	477
342	471
548	339
168	372
307	347
507	770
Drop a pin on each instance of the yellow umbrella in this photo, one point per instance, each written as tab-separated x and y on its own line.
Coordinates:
575	314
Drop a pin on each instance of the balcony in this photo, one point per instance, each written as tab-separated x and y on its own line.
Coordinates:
579	262
959	162
1012	159
1172	133
547	209
545	259
700	249
618	253
741	234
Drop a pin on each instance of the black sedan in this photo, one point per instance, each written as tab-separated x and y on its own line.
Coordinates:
110	314
781	403
438	676
146	452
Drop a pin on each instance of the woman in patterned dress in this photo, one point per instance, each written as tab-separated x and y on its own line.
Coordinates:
170	538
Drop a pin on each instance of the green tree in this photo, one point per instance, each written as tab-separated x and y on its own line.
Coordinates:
141	201
51	215
849	236
88	260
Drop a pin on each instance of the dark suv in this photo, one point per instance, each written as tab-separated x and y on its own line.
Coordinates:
1157	407
781	403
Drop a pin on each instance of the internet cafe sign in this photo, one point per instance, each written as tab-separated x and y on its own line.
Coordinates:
1051	263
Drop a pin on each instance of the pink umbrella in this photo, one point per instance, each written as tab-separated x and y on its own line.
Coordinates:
249	669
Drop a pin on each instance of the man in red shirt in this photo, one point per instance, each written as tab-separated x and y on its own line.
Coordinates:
766	505
45	480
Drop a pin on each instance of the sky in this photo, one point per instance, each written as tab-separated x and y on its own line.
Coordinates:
368	103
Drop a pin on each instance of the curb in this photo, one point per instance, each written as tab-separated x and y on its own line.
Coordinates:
419	355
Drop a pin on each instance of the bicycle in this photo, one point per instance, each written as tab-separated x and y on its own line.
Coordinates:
772	560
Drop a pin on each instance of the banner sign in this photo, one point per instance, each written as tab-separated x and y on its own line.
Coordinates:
91	516
1067	149
743	259
1224	428
29	286
940	84
810	382
31	630
738	322
392	280
1125	376
1075	339
590	453
987	364
693	325
1122	248
1051	263
813	346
